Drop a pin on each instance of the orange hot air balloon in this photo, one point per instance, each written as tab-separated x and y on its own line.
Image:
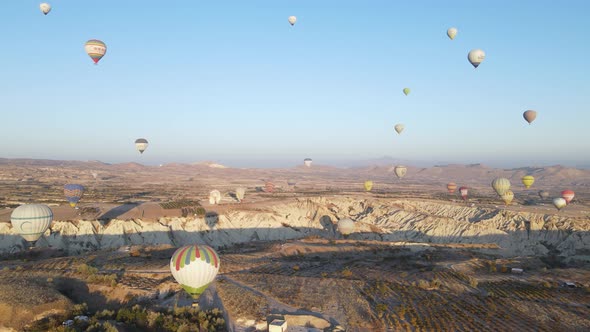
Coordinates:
568	195
451	187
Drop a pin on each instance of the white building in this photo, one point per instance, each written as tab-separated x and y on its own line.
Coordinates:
278	325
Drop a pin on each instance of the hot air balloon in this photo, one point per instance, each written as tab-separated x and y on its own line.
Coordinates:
141	144
214	197
507	197
73	193
528	181
269	187
501	185
368	185
399	128
559	203
307	162
45	8
345	226
31	221
292	20
543	194
406	91
94	175
194	267
476	57
464	191
451	187
96	49
240	193
400	171
529	116
452	32
568	195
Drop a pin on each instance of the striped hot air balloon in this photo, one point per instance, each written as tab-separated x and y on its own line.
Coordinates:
528	181
96	49
269	187
307	162
501	185
568	195
73	193
451	187
141	144
194	267
31	220
507	197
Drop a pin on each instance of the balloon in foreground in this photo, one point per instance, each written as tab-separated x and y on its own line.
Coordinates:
464	191
31	220
501	185
559	203
399	128
406	91
194	267
73	193
141	144
292	20
529	116
345	226
543	194
476	57
451	187
96	49
568	195
368	185
45	8
240	193
507	197
307	162
400	171
452	32
528	181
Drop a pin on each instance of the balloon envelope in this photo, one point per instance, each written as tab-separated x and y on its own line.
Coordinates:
31	220
406	91
292	20
45	8
214	197
528	180
529	116
240	193
507	197
559	203
476	57
464	191
501	185
73	193
452	32
399	128
269	187
568	195
368	185
307	162
451	187
96	49
141	144
194	267
400	171
543	194
345	226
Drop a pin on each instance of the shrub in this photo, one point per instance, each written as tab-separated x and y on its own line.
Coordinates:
346	272
473	282
201	212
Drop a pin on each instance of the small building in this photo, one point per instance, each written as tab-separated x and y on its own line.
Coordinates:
516	270
278	325
568	284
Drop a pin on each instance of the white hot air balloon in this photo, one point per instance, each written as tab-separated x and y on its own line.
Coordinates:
31	220
400	171
476	57
141	144
214	197
94	174
345	226
45	8
559	203
194	267
292	20
307	162
452	32
399	128
240	192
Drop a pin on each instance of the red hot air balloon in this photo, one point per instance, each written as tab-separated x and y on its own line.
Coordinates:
568	195
464	191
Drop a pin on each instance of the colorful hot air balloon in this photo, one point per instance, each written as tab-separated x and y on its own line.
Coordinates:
368	185
240	193
406	91
31	220
194	267
400	171
568	195
451	187
141	144
529	116
73	193
269	187
292	20
464	191
45	8
543	194
345	226
501	185
507	197
307	162
528	181
476	57
399	128
559	203
214	197
452	32
96	49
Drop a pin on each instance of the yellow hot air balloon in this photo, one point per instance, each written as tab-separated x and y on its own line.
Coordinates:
406	91
292	20
368	185
528	181
501	185
452	32
507	197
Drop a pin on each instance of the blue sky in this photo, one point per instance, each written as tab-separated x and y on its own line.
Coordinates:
233	82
